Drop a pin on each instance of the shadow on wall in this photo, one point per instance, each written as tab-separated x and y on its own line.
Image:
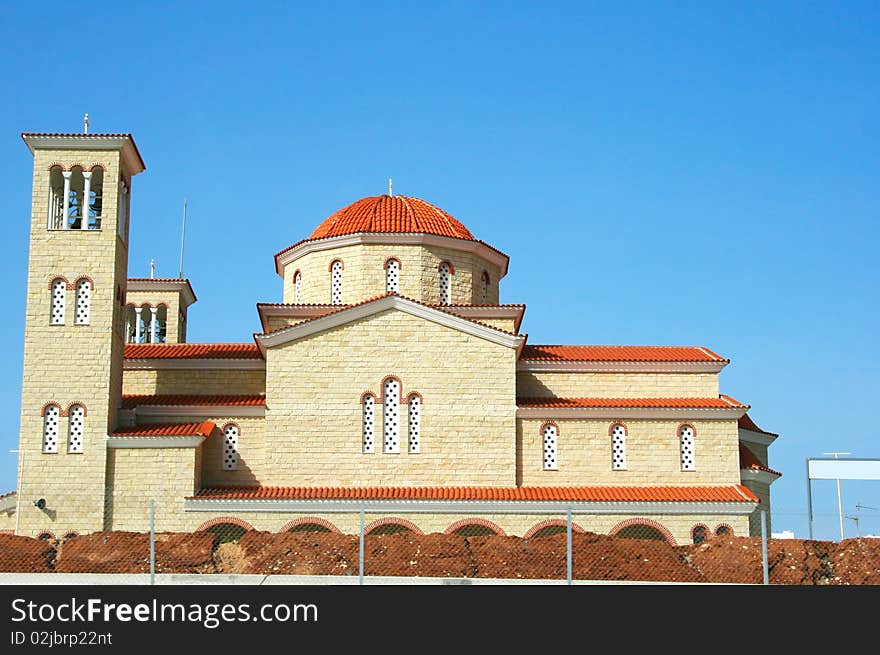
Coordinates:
212	472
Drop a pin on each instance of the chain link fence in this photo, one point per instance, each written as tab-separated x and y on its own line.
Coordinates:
383	549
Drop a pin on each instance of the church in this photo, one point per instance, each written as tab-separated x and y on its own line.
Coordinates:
390	379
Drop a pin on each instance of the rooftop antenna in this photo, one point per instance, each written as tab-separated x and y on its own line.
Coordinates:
390	187
86	124
152	268
839	498
860	506
182	239
856	520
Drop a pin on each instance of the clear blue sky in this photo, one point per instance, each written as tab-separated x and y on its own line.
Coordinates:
690	174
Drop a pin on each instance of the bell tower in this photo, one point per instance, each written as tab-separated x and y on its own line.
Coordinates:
74	327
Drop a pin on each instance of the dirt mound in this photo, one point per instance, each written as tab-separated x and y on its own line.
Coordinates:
433	555
26	555
298	553
739	560
129	552
600	557
721	559
855	562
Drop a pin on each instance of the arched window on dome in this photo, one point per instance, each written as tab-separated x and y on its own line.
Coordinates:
297	287
686	435
392	275
618	448
445	273
484	287
550	433
336	282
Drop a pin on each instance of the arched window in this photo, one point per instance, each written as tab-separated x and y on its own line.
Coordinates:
415	422
161	332
484	287
722	530
550	433
392	276
297	287
445	273
131	319
76	419
51	416
618	448
686	441
368	405
56	198
336	282
391	415
698	534
230	447
83	301
94	198
59	300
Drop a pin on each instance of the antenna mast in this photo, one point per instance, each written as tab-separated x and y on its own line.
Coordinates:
182	239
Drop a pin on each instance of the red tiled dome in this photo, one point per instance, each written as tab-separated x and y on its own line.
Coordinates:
391	214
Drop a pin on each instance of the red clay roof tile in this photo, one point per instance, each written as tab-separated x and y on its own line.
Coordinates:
732	493
252	400
722	402
202	429
619	353
748	460
192	351
746	423
391	214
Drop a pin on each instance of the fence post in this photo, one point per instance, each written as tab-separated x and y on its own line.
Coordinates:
765	565
361	549
152	541
568	544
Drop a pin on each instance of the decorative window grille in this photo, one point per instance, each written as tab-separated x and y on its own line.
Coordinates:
618	448
336	283
83	301
297	287
550	435
369	409
484	288
75	429
445	283
391	415
686	437
415	420
392	276
50	428
230	448
59	298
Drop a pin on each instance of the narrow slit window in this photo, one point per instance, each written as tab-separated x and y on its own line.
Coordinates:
686	439
230	447
59	300
336	283
415	421
550	434
445	273
83	302
391	415
75	429
369	423
618	448
392	276
297	287
51	416
484	288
